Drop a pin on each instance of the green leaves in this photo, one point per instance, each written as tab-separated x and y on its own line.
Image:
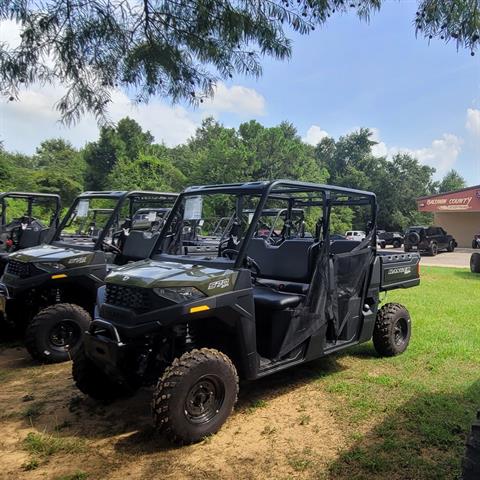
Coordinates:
170	48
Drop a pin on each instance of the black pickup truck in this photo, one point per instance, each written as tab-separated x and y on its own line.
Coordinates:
428	240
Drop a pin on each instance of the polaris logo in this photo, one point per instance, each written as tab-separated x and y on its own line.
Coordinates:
223	283
399	270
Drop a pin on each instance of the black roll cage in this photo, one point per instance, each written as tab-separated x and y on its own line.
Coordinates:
264	190
121	197
31	198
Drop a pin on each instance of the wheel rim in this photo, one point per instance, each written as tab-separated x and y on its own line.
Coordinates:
400	331
64	334
204	399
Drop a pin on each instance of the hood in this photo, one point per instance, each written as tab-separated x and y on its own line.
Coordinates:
69	257
151	274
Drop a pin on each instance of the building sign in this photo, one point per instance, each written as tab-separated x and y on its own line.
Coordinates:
464	201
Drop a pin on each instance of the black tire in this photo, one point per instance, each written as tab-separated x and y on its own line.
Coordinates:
471	460
397	244
56	333
195	396
433	249
392	331
413	238
474	244
92	381
406	248
475	263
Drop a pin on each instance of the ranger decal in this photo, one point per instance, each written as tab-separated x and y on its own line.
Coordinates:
223	283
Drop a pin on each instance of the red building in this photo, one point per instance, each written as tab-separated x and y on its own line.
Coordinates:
457	212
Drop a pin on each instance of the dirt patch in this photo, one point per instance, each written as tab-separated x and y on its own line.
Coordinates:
283	427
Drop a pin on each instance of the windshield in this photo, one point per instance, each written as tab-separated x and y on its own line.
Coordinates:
89	217
107	218
211	225
28	210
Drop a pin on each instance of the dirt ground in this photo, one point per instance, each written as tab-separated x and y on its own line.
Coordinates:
281	425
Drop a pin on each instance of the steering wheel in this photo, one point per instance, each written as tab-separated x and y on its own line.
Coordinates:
229	253
111	247
252	264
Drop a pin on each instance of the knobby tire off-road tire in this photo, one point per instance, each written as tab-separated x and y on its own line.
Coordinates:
471	460
433	249
475	263
56	333
451	246
392	331
397	244
199	381
92	381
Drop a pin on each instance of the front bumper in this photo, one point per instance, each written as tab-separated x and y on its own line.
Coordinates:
104	347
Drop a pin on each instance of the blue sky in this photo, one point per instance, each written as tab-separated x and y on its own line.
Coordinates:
419	97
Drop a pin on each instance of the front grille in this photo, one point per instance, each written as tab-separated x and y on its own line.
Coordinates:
20	269
134	298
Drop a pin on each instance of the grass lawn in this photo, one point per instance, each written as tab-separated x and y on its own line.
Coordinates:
408	415
350	416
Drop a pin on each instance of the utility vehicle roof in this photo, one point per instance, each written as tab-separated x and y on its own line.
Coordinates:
28	195
291	186
124	193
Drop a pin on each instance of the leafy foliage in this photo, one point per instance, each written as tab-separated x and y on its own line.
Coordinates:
452	181
126	158
175	48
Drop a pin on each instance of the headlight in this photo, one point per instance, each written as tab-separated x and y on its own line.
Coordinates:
50	266
179	294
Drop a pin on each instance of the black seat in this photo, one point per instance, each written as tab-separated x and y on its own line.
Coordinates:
291	260
30	238
343	246
271	300
139	245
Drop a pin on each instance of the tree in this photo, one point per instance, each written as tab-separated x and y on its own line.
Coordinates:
451	181
59	157
147	172
175	48
278	152
134	138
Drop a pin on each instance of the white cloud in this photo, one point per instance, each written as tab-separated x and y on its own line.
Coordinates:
472	123
235	99
10	33
441	154
32	119
315	135
380	149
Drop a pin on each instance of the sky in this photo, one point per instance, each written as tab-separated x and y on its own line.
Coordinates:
417	96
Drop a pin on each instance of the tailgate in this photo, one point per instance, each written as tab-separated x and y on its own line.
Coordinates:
399	270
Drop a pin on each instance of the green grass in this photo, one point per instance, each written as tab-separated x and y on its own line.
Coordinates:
73	476
45	445
415	409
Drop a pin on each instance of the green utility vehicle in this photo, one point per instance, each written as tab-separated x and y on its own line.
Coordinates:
195	324
26	219
49	291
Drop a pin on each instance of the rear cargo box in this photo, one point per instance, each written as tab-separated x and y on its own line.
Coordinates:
399	270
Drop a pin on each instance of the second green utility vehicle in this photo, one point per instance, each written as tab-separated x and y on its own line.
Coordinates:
259	304
26	219
49	291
